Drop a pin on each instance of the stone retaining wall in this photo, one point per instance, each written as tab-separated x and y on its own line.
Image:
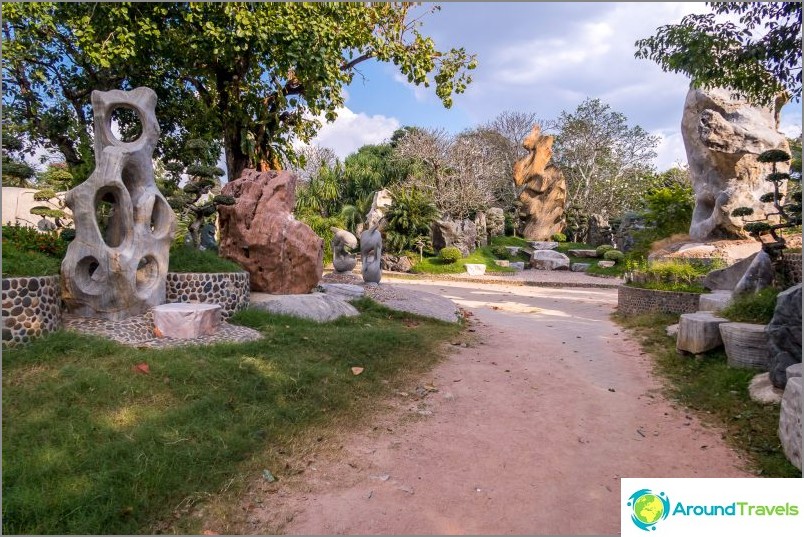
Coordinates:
791	265
229	289
31	308
634	301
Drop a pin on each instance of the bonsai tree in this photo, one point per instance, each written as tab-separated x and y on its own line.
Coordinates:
57	178
787	207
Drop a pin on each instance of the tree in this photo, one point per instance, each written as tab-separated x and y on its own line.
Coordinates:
760	57
605	162
409	218
252	75
15	171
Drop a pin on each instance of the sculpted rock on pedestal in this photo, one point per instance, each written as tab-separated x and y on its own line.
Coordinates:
723	137
259	232
343	260
543	189
117	265
371	255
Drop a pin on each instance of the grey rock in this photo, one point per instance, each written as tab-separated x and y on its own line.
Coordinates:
714	301
379	205
513	250
606	264
517	265
502	262
549	260
580	267
396	263
208	241
784	335
318	307
481	226
726	279
758	276
790	421
582	253
672	330
698	332
599	231
461	234
475	269
723	136
344	291
123	272
543	245
762	391
794	370
624	237
371	255
343	242
746	345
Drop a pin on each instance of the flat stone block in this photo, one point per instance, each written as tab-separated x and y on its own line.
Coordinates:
475	269
346	291
502	262
318	307
790	421
517	265
580	267
549	260
583	253
698	332
746	345
606	264
187	320
543	245
714	301
512	250
794	370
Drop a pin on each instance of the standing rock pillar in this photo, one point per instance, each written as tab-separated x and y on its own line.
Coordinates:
117	264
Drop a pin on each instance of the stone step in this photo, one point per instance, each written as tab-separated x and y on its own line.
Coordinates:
582	253
714	301
698	332
746	345
185	320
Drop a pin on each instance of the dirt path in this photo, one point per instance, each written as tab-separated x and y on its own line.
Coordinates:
543	415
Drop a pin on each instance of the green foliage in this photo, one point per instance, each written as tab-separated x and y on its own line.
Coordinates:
187	259
671	275
602	249
758	58
482	256
19	262
744	211
500	252
559	237
28	239
613	255
409	218
752	307
450	254
667	211
92	447
323	228
774	155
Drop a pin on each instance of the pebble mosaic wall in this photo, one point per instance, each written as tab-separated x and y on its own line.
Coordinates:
633	301
31	308
229	289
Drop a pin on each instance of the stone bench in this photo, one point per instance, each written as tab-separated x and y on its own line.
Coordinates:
699	332
186	320
746	345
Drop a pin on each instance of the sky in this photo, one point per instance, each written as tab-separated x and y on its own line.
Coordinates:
536	57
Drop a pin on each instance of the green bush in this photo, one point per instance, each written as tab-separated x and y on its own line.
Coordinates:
188	259
603	248
613	255
559	237
450	254
500	252
17	263
752	308
409	218
28	239
676	275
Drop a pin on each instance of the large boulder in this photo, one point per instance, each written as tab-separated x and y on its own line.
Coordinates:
726	279
282	255
549	260
379	206
723	136
481	226
624	237
784	335
757	277
544	189
461	234
599	231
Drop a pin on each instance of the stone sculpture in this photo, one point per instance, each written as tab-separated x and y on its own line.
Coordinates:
723	135
784	335
117	270
343	260
259	232
543	189
371	255
379	205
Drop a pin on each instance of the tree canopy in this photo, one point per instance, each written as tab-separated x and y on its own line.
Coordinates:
759	57
253	76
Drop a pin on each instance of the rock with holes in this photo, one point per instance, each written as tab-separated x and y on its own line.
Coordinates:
790	421
343	244
282	255
117	265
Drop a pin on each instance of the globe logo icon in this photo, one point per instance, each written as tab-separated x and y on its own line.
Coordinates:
648	508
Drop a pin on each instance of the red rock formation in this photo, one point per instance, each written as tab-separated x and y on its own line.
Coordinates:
259	232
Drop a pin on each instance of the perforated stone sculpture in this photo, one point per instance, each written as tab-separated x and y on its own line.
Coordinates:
371	254
343	260
543	188
117	264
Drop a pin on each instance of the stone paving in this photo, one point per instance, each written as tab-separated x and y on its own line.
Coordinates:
138	331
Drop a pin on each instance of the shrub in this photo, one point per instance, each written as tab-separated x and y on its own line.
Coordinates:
450	254
185	258
613	255
668	275
409	218
559	237
752	308
500	252
28	239
603	248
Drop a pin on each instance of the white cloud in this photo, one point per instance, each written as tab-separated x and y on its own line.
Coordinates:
420	93
670	152
350	131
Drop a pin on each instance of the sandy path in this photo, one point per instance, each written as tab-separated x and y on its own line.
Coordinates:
529	432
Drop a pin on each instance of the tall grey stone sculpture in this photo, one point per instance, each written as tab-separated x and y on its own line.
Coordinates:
371	255
116	270
723	136
343	260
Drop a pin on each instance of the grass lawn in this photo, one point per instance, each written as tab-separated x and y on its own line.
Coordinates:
18	262
718	393
188	259
93	446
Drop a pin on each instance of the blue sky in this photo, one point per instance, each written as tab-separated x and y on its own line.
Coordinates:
540	57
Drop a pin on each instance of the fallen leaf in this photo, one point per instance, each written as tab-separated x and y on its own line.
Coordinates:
141	368
158	332
209	532
357	370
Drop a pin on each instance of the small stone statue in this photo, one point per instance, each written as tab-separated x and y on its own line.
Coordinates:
371	255
343	260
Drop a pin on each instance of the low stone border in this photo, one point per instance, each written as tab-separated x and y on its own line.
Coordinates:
634	301
31	308
229	289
